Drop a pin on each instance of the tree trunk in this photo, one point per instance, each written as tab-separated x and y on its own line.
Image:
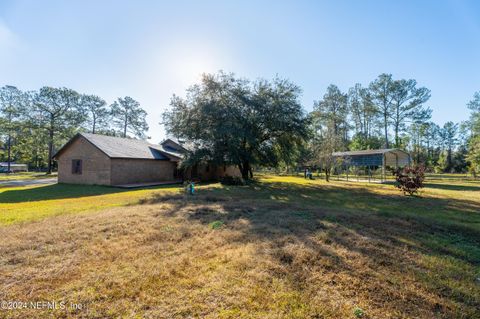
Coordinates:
50	151
386	129
397	125
50	143
449	159
396	136
125	127
245	170
9	146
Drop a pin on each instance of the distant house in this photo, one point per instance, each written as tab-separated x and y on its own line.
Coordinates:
107	160
14	167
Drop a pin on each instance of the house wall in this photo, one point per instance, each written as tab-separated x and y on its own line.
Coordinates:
130	171
95	164
213	172
230	170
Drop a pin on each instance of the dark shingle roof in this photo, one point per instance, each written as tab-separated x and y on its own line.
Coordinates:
118	147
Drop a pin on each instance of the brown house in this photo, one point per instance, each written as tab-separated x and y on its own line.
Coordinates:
107	160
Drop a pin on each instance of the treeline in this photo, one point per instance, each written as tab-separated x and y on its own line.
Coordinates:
262	123
392	113
231	120
34	124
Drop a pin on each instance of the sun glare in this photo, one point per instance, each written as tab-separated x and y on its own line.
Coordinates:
186	63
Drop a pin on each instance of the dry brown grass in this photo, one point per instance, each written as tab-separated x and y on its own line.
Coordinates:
265	259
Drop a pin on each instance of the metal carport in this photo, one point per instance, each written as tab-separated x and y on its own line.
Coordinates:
391	157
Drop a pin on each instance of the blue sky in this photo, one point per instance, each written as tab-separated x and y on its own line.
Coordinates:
151	49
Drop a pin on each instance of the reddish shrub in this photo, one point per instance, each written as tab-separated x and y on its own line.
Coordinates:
410	179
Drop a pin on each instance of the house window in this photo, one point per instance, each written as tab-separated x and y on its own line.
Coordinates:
77	166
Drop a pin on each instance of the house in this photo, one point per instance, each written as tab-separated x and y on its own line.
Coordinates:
107	160
14	167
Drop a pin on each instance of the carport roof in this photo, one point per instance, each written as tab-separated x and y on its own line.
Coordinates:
369	152
118	147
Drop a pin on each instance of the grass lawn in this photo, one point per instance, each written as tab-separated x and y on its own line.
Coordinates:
24	176
22	204
283	247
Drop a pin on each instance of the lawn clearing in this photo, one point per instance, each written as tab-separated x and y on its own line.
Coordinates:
284	247
24	176
20	204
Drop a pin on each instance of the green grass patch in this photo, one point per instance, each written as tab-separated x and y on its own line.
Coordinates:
216	224
25	176
21	204
293	248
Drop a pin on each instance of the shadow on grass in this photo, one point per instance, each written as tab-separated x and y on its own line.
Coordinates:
453	187
305	224
377	226
359	209
61	191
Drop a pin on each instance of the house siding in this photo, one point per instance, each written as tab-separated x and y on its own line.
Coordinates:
214	172
130	171
95	164
97	168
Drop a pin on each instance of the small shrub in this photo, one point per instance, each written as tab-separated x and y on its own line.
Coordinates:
358	312
232	180
216	224
410	179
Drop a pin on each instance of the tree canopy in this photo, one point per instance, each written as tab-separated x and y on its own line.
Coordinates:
96	111
13	104
33	125
473	155
57	111
129	117
230	120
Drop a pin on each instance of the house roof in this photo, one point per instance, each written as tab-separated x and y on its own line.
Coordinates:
369	152
119	147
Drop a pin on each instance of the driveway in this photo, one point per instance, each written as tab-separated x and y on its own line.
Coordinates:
27	182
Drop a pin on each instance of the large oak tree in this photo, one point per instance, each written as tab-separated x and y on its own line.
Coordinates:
235	121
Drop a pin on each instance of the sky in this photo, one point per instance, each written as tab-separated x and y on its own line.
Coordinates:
150	50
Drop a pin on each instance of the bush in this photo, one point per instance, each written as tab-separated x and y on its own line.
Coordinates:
232	180
410	179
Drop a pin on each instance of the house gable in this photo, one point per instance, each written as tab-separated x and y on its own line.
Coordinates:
95	165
